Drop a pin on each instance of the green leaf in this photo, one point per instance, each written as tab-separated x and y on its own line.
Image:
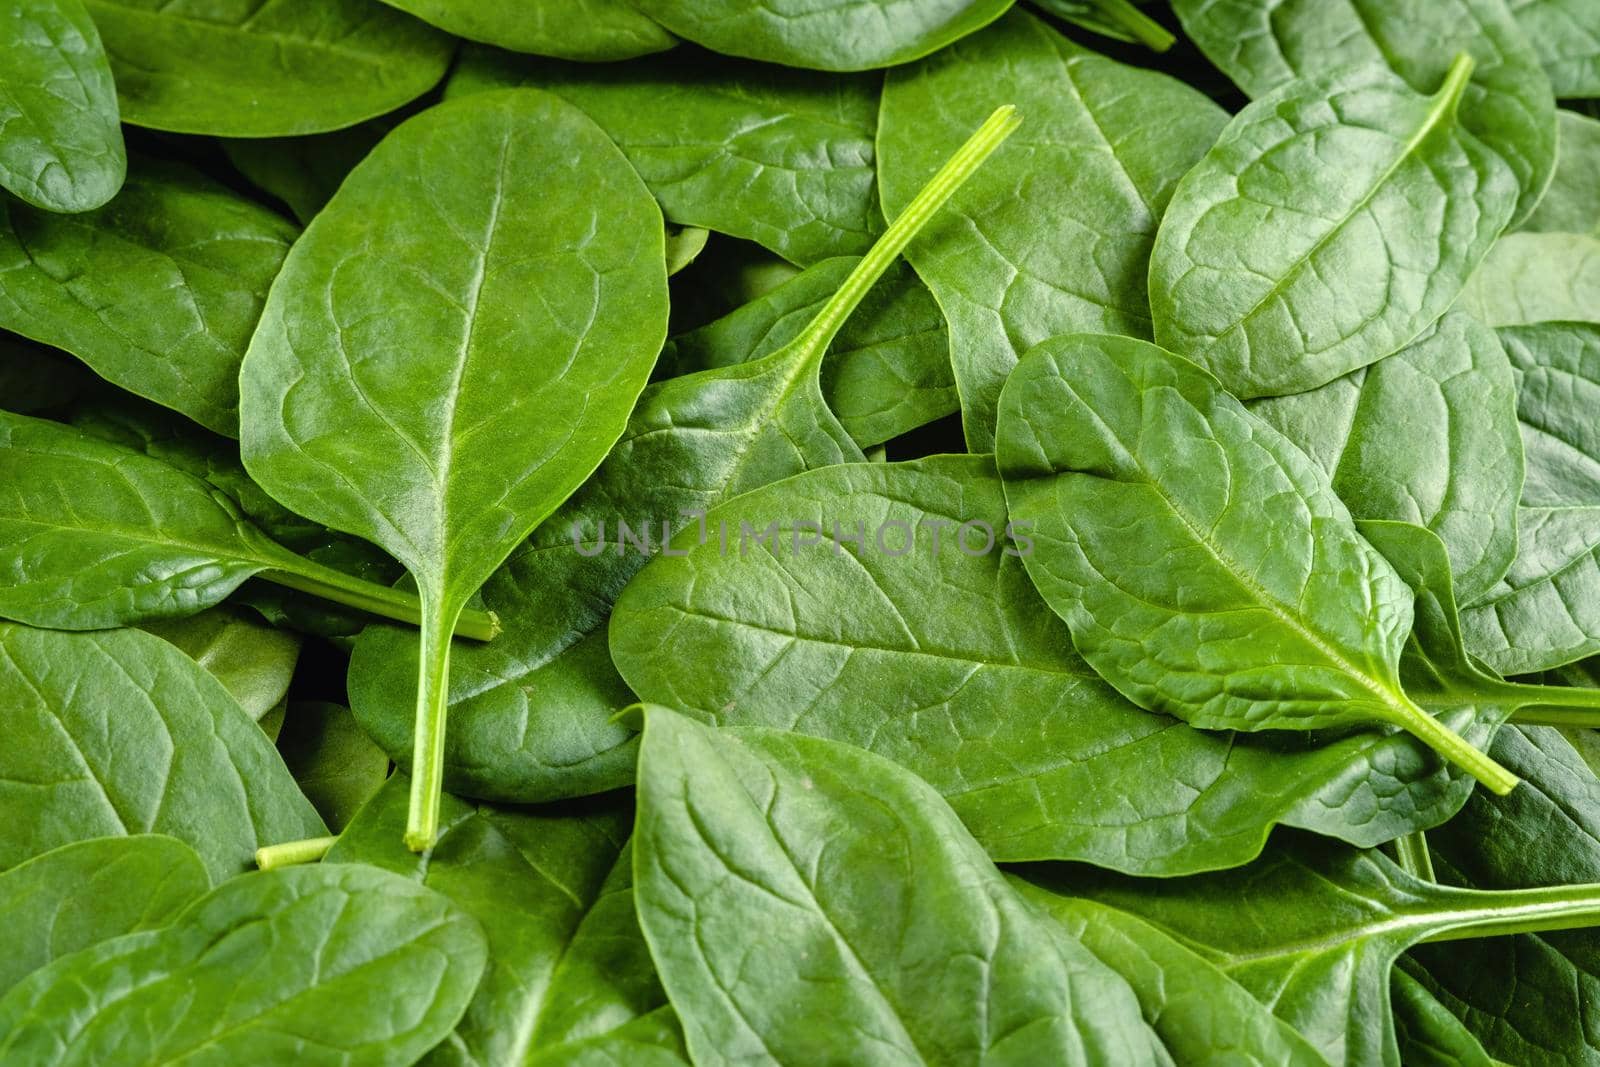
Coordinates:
304	172
569	973
1526	996
158	292
60	141
1558	389
1572	203
264	969
93	535
1314	931
335	765
1537	277
1566	36
1507	105
1055	235
265	69
589	30
90	891
1428	436
533	713
1200	1014
842	35
254	662
1279	273
887	373
926	656
780	157
118	732
1427	1033
1546	611
783	880
1118	19
1244	598
406	387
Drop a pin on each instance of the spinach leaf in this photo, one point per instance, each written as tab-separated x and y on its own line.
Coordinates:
1537	277
1546	611
120	733
90	891
158	292
304	172
406	387
888	371
1279	274
265	69
1118	19
1524	996
1506	105
1314	931
60	141
569	974
335	765
783	158
1054	236
1247	600
263	969
1558	386
684	245
93	534
1428	436
1201	1015
1572	203
1566	36
534	713
843	35
591	30
783	879
254	662
924	656
1426	1032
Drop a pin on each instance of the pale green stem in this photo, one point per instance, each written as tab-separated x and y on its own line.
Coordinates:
1411	853
1527	911
380	600
1553	705
1568	718
1455	748
289	853
957	169
433	705
1141	27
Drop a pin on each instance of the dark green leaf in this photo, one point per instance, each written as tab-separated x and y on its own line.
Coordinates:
1508	105
265	69
264	969
1055	235
335	765
840	35
60	142
1201	560
1428	436
1279	273
784	880
305	172
444	359
1427	1033
90	891
120	733
569	975
784	158
590	30
158	292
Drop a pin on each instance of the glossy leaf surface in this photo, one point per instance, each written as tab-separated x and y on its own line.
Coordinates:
590	30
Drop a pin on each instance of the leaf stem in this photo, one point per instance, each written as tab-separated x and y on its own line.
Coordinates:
1141	27
380	600
950	177
427	743
310	850
1553	705
1455	748
1526	911
1411	853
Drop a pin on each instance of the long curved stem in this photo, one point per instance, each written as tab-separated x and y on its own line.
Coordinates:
380	600
1526	911
427	743
1455	748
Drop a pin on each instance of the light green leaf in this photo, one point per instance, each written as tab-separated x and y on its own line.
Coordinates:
1055	235
781	157
1546	611
1558	392
1572	203
118	732
1201	560
265	69
253	661
1537	277
60	142
1566	36
444	360
263	969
